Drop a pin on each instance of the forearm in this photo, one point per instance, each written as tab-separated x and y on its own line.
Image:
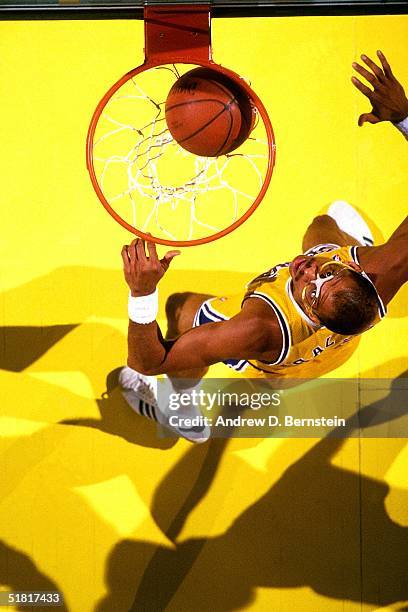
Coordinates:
392	255
388	263
146	347
149	353
242	337
398	252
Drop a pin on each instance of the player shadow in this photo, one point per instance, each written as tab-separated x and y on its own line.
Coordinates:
387	409
19	573
319	525
22	345
198	467
118	419
200	464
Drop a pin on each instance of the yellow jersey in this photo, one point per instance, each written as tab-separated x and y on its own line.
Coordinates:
308	350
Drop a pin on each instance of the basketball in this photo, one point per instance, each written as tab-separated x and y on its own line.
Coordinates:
208	113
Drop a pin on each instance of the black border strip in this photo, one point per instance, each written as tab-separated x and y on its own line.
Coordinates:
222	9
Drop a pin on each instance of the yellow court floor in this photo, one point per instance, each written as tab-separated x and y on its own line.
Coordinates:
92	502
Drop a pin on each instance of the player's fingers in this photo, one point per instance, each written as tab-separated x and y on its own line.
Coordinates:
367	117
385	64
376	69
151	247
131	251
367	75
168	257
361	87
140	250
125	255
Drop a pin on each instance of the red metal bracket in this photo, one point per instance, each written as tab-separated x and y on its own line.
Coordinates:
177	33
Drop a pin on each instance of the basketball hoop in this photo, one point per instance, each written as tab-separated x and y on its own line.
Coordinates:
145	180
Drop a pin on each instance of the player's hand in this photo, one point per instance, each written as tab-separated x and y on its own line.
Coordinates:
144	270
388	99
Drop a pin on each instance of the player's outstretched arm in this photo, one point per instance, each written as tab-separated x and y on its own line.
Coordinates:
387	264
387	96
142	273
248	335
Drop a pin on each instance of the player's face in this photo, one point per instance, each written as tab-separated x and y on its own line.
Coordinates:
315	280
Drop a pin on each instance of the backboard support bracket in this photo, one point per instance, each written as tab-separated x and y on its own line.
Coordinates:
177	31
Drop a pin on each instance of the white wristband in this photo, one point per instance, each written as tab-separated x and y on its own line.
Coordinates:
402	126
144	309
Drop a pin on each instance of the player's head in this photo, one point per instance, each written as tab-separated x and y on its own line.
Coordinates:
334	294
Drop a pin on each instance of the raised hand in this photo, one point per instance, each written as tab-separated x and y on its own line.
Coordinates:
388	99
143	271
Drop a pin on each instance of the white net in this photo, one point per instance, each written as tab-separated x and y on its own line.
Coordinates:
154	184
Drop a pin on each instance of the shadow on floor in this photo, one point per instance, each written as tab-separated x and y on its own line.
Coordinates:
319	526
19	573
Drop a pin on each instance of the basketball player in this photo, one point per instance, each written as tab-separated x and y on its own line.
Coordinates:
300	319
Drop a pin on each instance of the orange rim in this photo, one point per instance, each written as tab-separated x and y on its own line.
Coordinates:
182	243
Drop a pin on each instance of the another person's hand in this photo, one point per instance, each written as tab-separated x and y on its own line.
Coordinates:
388	99
143	272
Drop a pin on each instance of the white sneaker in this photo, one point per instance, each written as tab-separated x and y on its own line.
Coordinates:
140	392
350	221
